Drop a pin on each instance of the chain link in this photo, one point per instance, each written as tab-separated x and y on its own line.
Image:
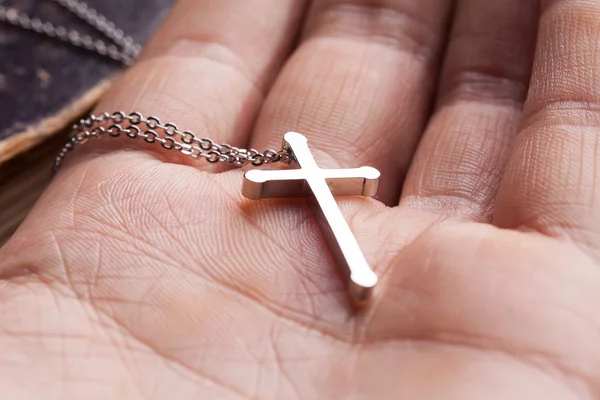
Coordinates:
123	48
169	136
151	130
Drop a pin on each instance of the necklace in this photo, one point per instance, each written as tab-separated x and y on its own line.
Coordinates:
317	185
121	48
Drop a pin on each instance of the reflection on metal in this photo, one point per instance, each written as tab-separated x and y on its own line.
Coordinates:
320	186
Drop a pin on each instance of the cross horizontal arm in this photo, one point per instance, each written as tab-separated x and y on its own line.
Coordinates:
260	184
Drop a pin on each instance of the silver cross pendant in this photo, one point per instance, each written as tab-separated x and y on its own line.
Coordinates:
319	186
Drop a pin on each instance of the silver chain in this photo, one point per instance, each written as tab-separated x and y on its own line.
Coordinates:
123	48
169	136
134	125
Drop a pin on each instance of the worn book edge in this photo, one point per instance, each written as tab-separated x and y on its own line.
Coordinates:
36	133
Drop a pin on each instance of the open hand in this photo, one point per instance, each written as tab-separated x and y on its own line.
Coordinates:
142	275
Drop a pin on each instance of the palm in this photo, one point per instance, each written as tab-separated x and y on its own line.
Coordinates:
230	298
142	279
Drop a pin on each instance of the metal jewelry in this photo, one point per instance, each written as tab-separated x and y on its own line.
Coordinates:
123	48
317	185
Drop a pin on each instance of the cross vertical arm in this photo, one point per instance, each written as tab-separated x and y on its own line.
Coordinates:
322	184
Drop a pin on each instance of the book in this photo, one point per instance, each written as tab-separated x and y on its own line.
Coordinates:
46	84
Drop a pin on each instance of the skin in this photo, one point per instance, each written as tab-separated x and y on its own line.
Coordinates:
143	275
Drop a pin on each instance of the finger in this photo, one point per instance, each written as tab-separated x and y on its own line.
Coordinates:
207	69
458	164
550	184
360	84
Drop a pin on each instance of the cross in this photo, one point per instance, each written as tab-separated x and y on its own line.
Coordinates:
320	186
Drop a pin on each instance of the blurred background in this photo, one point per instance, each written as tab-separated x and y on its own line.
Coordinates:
47	84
